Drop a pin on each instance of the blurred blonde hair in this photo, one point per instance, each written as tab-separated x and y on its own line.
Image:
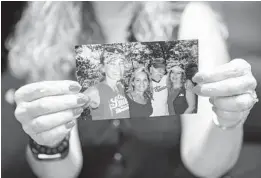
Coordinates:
42	45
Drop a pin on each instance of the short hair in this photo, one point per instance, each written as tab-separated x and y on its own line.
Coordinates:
110	49
158	63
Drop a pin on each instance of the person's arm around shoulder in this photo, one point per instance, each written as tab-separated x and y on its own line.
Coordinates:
190	98
201	138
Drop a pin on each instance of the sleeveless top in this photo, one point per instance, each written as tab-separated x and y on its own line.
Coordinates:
138	110
113	105
177	102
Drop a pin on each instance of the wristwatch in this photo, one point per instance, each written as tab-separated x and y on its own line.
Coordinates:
41	152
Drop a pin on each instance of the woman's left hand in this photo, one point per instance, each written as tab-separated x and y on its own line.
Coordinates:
231	88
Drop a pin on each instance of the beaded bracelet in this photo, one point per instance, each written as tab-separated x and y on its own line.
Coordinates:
41	152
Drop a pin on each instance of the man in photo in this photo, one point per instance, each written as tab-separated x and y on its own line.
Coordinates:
107	99
158	73
139	94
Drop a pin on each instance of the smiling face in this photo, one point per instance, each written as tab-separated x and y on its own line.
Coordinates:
140	82
157	73
176	77
176	74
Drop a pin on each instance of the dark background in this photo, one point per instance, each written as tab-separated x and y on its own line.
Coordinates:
243	20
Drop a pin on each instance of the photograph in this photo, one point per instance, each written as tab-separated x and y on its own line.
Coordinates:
138	79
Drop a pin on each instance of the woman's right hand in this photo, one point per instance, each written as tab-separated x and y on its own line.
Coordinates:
48	110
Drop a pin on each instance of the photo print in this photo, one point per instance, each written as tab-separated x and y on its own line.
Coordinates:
137	79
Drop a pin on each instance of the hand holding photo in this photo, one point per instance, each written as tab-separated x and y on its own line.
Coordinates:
138	79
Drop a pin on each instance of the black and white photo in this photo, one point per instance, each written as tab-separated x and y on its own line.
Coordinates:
138	79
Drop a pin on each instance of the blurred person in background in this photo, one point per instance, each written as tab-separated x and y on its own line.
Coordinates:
181	99
41	49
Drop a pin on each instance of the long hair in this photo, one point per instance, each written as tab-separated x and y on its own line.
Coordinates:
148	93
170	84
42	44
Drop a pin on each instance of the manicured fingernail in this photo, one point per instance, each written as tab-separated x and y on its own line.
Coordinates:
77	111
74	88
70	125
198	79
82	100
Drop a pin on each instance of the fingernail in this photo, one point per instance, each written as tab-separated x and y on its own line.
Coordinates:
198	79
82	100
70	125
77	111
74	88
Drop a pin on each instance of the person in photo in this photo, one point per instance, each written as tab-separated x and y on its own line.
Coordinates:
107	99
181	100
139	94
159	86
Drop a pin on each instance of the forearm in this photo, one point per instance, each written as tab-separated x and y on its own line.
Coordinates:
207	151
68	167
171	108
214	151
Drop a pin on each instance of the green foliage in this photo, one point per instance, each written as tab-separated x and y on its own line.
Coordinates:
137	54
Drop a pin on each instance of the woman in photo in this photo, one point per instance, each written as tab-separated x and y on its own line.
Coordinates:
107	99
139	94
181	100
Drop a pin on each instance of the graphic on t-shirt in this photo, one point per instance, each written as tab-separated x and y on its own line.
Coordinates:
118	104
159	88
